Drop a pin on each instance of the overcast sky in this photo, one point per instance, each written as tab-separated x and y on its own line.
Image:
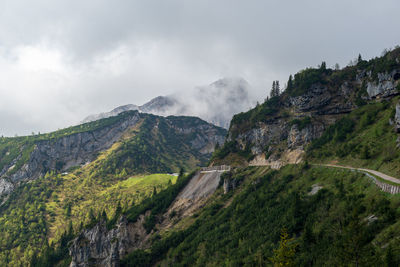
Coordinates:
63	60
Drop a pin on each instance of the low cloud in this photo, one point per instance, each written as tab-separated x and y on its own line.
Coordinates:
63	60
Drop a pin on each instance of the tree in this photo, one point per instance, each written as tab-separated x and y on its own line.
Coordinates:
154	191
323	65
181	173
275	90
284	254
359	59
104	216
337	67
290	82
118	210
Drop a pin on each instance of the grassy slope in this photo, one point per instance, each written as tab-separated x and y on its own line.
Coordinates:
367	141
43	209
329	227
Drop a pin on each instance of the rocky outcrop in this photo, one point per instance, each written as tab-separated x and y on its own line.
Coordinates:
397	118
318	96
5	187
298	138
72	150
385	86
266	134
75	149
99	246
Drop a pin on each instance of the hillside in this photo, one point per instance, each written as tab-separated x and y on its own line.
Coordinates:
281	202
294	184
63	180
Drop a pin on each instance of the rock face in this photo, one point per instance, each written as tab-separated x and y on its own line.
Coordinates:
385	86
397	118
76	149
303	118
72	150
112	113
101	247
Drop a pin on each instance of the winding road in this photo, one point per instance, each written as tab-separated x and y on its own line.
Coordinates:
376	173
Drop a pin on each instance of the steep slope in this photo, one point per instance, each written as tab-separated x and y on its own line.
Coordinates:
277	132
336	218
55	184
146	143
303	213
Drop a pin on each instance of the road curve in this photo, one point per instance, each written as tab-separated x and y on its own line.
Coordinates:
376	173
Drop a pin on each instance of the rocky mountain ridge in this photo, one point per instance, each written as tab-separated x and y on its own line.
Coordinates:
215	103
78	148
317	99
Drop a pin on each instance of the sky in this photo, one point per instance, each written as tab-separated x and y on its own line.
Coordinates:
63	60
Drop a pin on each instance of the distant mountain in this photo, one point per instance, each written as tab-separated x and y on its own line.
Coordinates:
113	112
215	103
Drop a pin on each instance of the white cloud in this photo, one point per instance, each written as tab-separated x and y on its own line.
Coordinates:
62	60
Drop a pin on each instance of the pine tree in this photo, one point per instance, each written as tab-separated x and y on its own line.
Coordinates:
118	210
104	216
272	93
290	83
284	254
154	191
359	58
277	88
323	65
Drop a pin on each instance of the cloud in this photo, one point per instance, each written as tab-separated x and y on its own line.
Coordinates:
63	60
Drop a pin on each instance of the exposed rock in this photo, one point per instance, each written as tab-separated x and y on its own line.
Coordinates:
80	148
112	113
229	184
385	86
101	247
316	97
298	138
314	189
371	218
266	134
397	118
71	150
215	103
5	186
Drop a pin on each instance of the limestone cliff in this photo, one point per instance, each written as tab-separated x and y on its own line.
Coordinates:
191	138
314	99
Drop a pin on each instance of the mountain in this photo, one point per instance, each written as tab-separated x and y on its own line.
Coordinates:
289	197
53	180
310	177
112	113
215	103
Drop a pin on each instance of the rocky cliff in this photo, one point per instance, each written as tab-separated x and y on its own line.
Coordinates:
314	99
99	246
59	152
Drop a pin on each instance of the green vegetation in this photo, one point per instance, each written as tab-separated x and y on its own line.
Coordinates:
363	138
156	203
245	120
304	79
301	123
328	228
43	209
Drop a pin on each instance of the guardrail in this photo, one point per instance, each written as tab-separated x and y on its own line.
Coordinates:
221	168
